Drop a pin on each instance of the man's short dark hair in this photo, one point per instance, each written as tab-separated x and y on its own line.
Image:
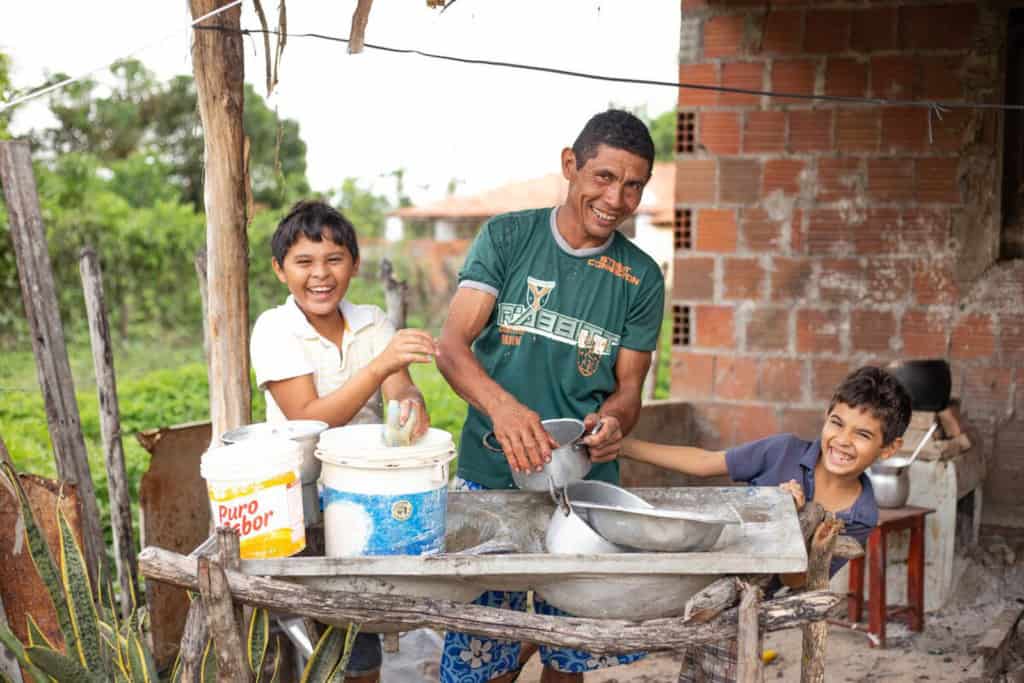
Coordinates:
881	394
313	219
615	128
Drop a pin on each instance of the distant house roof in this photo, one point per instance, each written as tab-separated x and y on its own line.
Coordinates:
547	190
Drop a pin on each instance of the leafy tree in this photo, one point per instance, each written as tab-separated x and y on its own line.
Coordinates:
366	211
7	93
663	131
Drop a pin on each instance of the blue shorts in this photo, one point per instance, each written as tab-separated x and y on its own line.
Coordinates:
474	659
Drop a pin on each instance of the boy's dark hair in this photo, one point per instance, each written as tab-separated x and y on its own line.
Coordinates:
881	394
313	219
615	128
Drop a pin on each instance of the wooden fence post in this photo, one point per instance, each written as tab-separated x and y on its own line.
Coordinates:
749	668
219	69
396	294
110	426
39	296
815	634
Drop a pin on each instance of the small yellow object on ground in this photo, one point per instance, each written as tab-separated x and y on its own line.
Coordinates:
768	656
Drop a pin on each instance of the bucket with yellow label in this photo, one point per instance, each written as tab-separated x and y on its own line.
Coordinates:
255	487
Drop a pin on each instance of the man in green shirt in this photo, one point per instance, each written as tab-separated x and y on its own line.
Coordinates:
556	315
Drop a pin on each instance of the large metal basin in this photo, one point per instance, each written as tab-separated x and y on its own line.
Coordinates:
631	585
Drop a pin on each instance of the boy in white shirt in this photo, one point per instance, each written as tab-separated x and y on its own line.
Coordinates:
320	357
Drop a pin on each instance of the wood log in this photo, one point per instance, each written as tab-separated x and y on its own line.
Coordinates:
749	667
39	296
193	641
110	429
230	557
204	298
360	17
707	604
220	619
396	294
601	636
994	644
218	65
815	635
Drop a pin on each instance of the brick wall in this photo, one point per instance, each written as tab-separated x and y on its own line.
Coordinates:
825	235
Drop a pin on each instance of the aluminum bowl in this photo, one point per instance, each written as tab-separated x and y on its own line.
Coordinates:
569	462
569	534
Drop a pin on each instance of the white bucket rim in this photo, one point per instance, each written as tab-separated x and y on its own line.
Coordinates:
363	446
251	460
289	429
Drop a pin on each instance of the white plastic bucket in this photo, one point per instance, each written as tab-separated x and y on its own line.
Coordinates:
255	487
380	500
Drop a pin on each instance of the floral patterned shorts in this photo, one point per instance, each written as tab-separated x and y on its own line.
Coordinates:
474	659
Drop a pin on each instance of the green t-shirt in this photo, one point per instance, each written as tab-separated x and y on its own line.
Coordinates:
560	317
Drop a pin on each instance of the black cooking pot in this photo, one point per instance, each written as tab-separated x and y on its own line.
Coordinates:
928	382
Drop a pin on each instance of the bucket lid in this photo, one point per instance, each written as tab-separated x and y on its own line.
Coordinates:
363	446
251	460
292	429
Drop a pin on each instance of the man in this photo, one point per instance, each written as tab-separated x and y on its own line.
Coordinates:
556	315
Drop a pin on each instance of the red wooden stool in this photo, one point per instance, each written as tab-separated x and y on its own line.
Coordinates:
894	519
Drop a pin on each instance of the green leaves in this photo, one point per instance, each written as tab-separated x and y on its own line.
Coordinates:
81	608
327	665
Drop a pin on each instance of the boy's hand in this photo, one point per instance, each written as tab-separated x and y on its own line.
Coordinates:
406	347
796	491
414	408
605	444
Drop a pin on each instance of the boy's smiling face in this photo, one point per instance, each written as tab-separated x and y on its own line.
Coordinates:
851	440
317	274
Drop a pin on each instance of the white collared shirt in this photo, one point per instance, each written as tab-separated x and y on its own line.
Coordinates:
284	345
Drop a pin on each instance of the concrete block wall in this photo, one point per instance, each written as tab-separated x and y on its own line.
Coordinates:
814	237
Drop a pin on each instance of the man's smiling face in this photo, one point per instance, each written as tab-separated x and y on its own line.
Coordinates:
602	194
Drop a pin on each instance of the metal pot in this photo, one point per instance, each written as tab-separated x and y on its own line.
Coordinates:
569	462
928	382
569	534
891	484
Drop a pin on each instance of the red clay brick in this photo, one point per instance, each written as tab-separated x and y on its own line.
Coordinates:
1011	338
760	232
904	129
724	36
743	278
841	178
694	4
846	78
819	331
735	378
826	376
740	181
783	33
857	130
873	29
828	232
923	232
715	327
804	423
743	75
797	238
933	282
790	279
948	133
784	175
924	334
698	74
891	179
973	337
694	278
841	281
938	180
941	27
782	379
764	131
716	230
768	329
716	423
810	130
894	77
695	181
941	78
720	132
987	391
754	422
872	330
877	233
827	31
692	375
887	281
794	76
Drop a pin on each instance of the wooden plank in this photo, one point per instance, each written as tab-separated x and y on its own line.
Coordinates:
600	636
218	67
110	428
39	296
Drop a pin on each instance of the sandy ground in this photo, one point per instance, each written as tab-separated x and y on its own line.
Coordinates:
990	578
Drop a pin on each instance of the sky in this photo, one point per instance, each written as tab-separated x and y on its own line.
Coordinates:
369	114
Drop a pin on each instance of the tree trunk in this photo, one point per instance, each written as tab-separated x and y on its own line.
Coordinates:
396	294
220	619
218	66
39	296
815	634
110	425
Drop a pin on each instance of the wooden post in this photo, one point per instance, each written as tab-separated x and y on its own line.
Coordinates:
39	296
396	294
193	640
227	641
218	67
204	298
110	426
815	634
749	668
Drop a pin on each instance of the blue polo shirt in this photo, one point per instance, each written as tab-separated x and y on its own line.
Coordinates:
777	459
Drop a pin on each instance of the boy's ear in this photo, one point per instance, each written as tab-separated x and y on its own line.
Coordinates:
888	451
278	270
355	267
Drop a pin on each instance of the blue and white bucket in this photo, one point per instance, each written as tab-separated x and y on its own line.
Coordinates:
381	500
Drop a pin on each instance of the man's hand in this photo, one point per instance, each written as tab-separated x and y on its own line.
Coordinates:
518	429
796	491
606	444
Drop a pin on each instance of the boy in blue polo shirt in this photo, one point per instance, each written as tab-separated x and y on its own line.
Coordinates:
865	421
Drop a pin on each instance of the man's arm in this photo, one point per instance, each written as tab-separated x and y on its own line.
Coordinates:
621	409
518	429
